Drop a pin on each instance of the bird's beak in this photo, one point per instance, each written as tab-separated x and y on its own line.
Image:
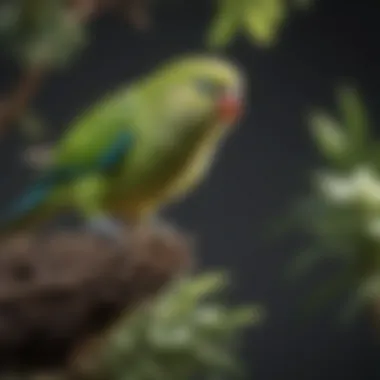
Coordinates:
230	108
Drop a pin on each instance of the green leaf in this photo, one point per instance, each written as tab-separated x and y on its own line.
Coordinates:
210	316
354	117
373	154
329	136
177	341
44	33
203	285
57	46
216	357
244	316
369	288
224	26
262	20
188	292
171	337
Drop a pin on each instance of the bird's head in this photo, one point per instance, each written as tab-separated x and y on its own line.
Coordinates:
200	88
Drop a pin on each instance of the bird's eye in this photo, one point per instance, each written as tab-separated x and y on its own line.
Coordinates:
208	87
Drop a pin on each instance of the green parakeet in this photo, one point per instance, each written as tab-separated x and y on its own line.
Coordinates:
140	148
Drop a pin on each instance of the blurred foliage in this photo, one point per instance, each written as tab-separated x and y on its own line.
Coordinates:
32	126
347	142
40	32
186	330
259	20
341	215
49	34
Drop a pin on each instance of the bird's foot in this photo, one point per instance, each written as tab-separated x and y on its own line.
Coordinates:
108	228
163	227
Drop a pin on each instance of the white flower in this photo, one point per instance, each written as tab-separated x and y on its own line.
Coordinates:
367	185
362	186
336	189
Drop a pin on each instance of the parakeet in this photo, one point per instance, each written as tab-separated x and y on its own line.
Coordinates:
140	148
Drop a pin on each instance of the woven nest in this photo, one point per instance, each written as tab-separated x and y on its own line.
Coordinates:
62	288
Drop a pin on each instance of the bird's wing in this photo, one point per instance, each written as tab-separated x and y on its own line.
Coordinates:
98	142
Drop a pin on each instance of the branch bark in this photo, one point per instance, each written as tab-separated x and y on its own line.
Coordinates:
19	99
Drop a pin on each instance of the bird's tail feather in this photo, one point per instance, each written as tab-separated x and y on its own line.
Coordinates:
23	210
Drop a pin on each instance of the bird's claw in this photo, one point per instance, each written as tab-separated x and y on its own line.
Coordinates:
164	228
108	228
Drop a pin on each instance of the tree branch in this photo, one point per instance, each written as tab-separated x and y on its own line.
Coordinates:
19	99
11	110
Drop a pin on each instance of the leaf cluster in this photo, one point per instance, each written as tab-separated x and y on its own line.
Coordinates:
183	331
341	215
40	32
259	20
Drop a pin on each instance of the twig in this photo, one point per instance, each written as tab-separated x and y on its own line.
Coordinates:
136	12
31	81
24	91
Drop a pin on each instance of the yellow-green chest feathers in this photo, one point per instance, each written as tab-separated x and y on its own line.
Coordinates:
192	167
167	174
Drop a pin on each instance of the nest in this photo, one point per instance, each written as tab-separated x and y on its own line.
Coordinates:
62	288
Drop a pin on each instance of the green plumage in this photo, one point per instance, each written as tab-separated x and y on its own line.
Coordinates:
139	148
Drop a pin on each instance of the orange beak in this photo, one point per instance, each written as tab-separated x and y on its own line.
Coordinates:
229	108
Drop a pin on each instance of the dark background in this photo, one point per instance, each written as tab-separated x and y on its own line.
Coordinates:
264	166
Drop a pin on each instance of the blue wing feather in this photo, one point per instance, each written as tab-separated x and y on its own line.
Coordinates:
36	195
114	155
